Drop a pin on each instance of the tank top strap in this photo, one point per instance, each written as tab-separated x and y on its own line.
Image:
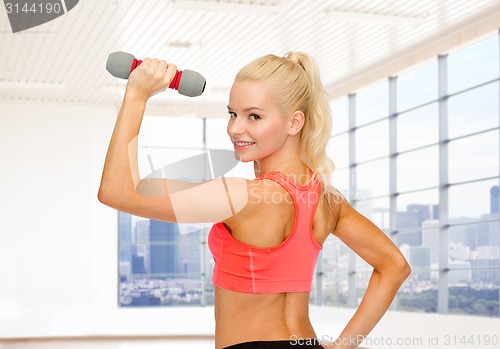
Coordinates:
281	177
296	190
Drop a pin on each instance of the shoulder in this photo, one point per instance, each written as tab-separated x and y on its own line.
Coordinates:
349	220
336	203
256	198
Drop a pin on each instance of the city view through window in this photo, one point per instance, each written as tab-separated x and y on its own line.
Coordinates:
418	154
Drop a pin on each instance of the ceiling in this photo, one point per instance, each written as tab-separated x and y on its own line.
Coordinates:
354	42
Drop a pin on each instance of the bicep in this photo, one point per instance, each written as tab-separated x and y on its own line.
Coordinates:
187	202
365	238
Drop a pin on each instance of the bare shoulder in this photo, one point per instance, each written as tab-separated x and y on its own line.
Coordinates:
351	224
270	208
334	203
248	197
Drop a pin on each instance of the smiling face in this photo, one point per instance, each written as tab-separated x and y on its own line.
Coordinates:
257	126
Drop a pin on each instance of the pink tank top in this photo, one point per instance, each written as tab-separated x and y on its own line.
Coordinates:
288	267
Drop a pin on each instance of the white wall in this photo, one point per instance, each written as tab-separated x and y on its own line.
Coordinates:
58	244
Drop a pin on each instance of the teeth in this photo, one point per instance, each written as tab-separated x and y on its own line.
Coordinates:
242	144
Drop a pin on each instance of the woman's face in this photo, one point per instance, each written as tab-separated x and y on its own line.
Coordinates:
256	126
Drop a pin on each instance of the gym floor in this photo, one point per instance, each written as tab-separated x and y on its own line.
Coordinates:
204	342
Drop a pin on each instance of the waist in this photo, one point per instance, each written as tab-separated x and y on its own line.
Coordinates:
244	317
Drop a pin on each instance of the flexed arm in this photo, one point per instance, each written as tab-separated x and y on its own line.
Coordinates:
120	174
160	199
390	269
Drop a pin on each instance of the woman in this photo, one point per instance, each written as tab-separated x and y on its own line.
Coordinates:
269	230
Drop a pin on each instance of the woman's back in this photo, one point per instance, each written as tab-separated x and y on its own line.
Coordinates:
250	316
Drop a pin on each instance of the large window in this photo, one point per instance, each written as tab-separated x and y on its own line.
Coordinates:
423	164
167	264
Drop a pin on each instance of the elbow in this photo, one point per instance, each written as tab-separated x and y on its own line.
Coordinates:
103	196
402	269
111	192
107	197
396	269
115	198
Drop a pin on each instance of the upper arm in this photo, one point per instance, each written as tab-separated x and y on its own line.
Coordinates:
187	202
366	239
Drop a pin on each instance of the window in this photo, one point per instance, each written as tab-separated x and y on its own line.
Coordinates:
418	86
428	176
474	64
164	263
424	162
371	103
161	263
418	127
473	111
474	157
372	179
372	141
337	150
338	147
160	266
335	256
340	116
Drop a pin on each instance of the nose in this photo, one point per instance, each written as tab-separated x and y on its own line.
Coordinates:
236	126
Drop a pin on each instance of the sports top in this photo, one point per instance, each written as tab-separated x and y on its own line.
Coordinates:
288	267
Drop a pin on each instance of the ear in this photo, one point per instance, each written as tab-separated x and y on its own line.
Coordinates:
297	120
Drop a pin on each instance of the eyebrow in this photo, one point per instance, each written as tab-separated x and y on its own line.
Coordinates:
247	109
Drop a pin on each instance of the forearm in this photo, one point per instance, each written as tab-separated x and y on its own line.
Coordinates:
120	174
381	290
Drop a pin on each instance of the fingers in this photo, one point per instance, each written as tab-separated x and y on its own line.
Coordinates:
153	68
170	72
154	75
160	69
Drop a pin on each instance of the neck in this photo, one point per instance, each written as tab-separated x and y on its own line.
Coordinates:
287	160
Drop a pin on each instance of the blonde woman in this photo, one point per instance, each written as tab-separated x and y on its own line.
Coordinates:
268	231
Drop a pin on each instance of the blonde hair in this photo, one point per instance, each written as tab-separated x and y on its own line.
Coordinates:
299	87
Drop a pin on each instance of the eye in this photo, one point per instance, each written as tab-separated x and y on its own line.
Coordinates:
231	114
254	116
